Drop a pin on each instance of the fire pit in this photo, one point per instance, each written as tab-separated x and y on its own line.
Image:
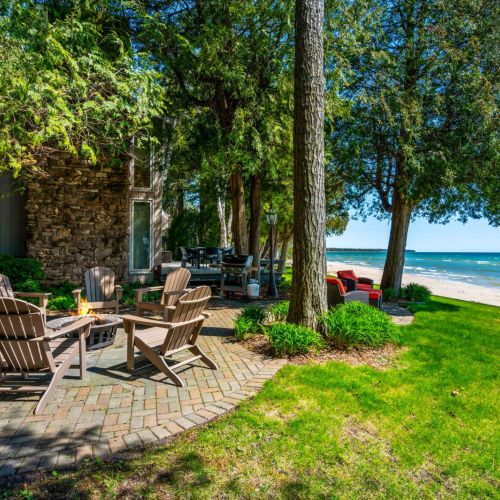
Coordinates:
102	331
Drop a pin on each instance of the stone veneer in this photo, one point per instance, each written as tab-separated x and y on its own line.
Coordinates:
77	217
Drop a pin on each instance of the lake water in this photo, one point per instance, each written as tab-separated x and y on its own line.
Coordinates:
477	268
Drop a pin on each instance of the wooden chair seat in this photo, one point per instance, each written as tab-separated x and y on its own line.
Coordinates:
164	339
28	348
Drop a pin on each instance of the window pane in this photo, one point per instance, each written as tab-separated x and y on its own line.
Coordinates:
142	168
141	235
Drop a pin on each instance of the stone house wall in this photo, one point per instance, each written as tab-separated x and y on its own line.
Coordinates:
77	217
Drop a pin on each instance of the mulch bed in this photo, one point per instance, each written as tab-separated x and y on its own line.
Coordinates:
380	358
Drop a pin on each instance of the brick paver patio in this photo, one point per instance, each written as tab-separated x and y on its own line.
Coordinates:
112	410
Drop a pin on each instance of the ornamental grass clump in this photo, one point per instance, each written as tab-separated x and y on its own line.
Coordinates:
278	312
249	322
356	324
415	292
290	339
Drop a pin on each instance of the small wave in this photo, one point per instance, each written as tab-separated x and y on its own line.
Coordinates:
482	262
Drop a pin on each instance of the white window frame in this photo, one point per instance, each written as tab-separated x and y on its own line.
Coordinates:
151	238
151	173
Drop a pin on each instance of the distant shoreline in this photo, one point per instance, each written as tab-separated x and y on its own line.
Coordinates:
361	250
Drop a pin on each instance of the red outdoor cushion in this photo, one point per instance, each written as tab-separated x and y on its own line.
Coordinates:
348	275
375	294
336	281
364	287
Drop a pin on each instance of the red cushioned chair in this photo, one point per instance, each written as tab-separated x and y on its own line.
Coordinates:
353	283
337	294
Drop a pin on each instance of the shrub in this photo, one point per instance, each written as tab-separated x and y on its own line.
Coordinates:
249	321
29	285
415	293
389	295
243	327
256	314
289	339
21	269
62	303
278	311
128	298
284	286
356	324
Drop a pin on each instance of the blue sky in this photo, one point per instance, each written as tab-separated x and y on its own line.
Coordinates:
475	236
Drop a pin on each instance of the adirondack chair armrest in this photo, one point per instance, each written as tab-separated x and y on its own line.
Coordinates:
43	298
77	325
140	320
206	315
177	292
119	292
32	294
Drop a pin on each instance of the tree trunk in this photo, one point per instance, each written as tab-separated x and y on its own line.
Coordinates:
239	226
265	250
221	211
395	260
229	225
255	220
284	250
308	299
179	205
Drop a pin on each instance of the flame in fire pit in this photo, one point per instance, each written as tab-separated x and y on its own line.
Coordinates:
85	310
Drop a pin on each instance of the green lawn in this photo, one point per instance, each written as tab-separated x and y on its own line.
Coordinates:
425	427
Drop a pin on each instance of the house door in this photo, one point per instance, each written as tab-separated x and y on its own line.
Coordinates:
12	222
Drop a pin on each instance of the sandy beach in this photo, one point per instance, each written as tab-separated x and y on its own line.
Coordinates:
445	288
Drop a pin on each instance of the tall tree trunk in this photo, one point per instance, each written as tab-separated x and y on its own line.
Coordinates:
395	260
255	220
229	225
239	226
265	249
287	236
308	299
221	211
179	205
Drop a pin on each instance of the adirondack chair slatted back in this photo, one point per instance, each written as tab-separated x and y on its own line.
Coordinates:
5	287
190	306
177	280
21	324
99	284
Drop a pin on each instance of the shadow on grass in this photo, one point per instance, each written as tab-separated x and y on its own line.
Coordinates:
433	306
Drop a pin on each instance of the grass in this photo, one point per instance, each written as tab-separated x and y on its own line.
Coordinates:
425	427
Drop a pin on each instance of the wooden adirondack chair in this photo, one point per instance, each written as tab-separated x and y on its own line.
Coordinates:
164	339
7	291
100	290
175	286
28	347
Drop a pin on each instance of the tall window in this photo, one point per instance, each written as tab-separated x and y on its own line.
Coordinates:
142	167
141	235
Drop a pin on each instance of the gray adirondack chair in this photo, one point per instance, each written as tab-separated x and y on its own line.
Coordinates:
100	290
164	339
28	347
175	286
7	291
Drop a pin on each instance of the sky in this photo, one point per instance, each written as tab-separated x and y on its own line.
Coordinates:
474	236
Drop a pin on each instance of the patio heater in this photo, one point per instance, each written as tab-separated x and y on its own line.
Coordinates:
271	217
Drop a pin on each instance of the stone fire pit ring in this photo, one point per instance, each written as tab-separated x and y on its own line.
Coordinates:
102	331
